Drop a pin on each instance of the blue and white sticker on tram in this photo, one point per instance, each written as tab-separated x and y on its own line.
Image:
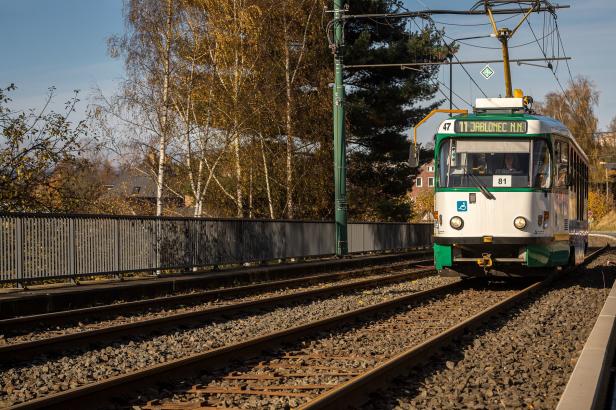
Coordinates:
462	206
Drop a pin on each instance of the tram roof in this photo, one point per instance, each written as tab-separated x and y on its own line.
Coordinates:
537	124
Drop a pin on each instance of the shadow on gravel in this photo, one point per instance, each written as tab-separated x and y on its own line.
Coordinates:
171	330
416	390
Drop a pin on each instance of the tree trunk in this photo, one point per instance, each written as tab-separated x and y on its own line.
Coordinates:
162	149
238	175
289	130
267	184
250	194
236	131
198	193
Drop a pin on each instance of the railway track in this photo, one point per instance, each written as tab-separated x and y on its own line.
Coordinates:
88	318
356	390
92	298
522	359
122	307
80	337
313	372
106	391
334	366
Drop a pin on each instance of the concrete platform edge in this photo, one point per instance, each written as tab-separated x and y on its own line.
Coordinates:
588	385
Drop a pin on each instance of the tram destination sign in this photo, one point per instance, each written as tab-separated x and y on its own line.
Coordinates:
490	127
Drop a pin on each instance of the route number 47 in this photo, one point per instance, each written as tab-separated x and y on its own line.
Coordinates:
501	180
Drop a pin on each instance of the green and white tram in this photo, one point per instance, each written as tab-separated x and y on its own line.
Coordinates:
511	192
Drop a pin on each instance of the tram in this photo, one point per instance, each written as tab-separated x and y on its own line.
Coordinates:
511	192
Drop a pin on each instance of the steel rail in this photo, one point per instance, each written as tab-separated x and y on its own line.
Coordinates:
107	391
27	350
46	300
356	391
113	389
60	317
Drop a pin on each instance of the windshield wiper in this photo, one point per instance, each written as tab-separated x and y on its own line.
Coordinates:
479	185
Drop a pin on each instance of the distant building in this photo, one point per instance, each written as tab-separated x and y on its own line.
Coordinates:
424	180
424	185
140	189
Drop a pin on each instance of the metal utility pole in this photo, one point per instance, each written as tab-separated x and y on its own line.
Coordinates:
607	186
342	247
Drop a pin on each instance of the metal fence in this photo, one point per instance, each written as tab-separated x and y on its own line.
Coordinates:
42	246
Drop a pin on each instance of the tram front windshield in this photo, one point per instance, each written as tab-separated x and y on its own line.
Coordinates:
494	163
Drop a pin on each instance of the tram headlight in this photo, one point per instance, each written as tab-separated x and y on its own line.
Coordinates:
456	222
519	222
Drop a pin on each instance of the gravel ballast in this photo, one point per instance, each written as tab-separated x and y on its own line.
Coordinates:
47	375
336	356
521	360
28	334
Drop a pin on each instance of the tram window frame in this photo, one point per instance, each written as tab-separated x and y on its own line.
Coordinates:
561	159
586	181
572	169
576	166
572	187
580	187
541	173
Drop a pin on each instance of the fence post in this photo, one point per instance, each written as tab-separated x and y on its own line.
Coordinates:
116	247
19	251
72	252
158	240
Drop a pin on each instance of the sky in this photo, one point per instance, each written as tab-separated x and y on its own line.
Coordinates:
62	43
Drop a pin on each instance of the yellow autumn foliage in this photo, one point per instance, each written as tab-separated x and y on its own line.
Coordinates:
424	202
598	204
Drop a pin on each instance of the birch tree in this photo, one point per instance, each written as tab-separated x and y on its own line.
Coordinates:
233	37
193	90
145	100
295	23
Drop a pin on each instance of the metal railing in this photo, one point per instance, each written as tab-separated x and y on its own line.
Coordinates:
45	246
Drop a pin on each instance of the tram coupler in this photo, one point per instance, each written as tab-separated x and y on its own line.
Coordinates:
485	261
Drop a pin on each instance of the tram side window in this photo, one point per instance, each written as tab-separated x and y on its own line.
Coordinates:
443	164
561	156
573	198
580	182
585	191
576	183
541	164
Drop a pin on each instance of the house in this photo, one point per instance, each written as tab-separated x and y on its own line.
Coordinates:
424	180
422	192
140	190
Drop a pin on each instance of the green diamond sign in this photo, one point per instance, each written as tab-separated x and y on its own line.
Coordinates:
487	72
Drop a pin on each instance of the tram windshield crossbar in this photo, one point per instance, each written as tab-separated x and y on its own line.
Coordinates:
495	163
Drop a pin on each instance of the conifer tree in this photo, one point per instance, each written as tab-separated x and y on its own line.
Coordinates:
383	103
